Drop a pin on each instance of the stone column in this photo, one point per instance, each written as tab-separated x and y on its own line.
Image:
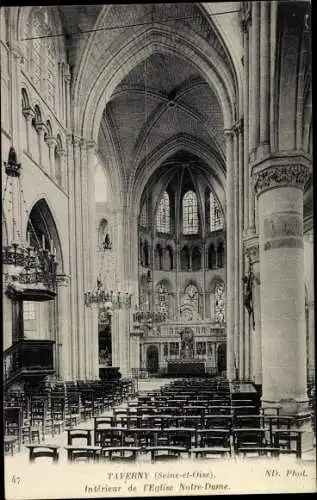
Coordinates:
279	183
40	128
84	236
92	252
61	153
72	258
234	173
28	115
254	337
254	115
230	257
64	333
15	58
67	97
51	142
264	145
79	260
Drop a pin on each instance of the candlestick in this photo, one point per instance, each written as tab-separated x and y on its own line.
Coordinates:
43	241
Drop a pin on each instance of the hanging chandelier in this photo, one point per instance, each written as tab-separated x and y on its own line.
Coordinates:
25	264
145	320
106	300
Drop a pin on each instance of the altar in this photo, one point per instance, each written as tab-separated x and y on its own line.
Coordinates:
187	365
186	368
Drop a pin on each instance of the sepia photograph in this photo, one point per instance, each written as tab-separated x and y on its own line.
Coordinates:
157	249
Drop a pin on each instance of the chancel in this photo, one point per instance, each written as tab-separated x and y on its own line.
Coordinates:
157	226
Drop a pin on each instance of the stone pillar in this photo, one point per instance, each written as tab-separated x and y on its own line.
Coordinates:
264	78
234	173
84	236
64	333
279	183
61	153
67	97
40	128
230	258
246	178
28	115
72	258
79	260
92	259
254	335
51	142
15	58
254	128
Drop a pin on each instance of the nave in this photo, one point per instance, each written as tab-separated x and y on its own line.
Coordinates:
157	420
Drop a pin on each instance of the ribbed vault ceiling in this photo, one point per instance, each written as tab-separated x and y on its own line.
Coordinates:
162	97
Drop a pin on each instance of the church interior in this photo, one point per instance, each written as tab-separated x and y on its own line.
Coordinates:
157	231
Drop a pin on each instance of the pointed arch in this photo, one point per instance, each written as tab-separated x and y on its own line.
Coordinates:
42	228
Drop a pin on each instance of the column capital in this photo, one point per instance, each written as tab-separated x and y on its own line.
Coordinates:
76	141
63	279
91	146
281	171
61	153
51	141
28	113
40	127
237	127
229	133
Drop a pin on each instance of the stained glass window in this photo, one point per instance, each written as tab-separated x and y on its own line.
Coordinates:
190	213
191	297
162	299
220	302
216	220
163	214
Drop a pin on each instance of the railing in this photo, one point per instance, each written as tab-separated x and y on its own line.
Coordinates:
29	357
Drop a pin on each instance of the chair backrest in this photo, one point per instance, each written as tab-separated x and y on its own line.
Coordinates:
78	434
40	452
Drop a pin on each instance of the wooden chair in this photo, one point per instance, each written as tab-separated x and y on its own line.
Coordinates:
121	453
210	452
9	443
217	421
165	453
209	438
43	450
284	439
248	421
13	424
73	434
248	437
80	452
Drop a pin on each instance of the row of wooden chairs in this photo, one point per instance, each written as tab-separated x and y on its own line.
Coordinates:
31	417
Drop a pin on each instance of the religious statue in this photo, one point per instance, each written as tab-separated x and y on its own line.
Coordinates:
187	343
248	294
